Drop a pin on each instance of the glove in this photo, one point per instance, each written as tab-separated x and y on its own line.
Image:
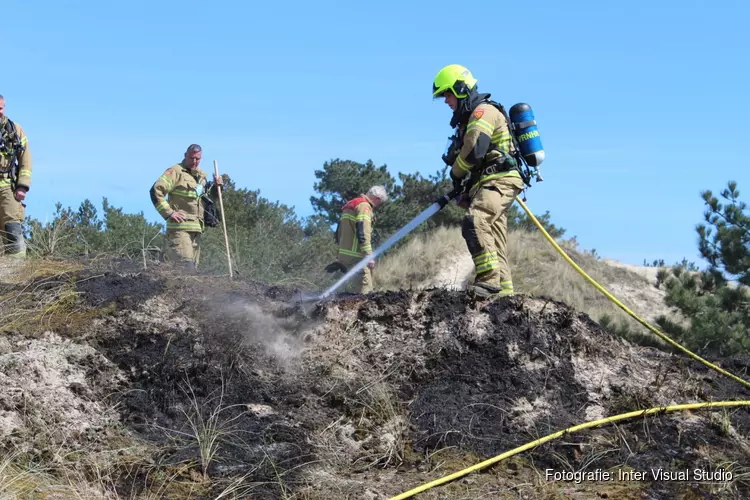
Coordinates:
456	181
464	201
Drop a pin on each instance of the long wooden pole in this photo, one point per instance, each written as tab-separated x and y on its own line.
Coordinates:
223	220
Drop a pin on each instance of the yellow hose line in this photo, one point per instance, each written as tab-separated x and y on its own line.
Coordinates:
569	430
623	306
593	423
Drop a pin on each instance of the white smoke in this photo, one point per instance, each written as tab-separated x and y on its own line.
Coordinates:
275	335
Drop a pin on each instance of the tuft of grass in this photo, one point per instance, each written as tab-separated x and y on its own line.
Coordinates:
740	478
117	473
84	475
17	481
372	433
385	408
14	271
38	302
207	426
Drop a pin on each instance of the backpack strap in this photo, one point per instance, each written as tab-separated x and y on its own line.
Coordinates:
11	145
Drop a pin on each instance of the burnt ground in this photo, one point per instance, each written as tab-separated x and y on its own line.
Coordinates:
361	397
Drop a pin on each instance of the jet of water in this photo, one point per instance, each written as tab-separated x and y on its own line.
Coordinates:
426	214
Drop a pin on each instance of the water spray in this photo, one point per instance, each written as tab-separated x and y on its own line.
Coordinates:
439	204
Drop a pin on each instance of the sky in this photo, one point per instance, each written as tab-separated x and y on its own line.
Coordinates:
640	105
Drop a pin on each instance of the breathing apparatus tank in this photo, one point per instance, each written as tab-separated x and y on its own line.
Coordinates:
526	133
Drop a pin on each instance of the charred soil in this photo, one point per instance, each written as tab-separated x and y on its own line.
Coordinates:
233	383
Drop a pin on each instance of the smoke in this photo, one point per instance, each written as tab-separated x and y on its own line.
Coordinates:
282	338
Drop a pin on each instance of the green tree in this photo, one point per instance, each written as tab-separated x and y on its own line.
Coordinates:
83	233
268	241
411	196
728	248
128	235
715	301
88	229
342	180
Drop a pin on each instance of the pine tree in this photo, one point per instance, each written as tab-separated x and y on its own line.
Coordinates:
342	180
715	301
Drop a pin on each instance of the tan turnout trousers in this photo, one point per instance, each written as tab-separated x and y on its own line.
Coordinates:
184	246
485	230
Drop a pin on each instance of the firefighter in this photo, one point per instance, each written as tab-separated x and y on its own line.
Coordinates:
354	236
15	182
490	175
179	196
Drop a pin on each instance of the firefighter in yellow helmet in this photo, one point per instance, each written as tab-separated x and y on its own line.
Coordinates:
354	236
483	162
15	181
180	196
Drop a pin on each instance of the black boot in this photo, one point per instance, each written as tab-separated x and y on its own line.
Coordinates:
16	245
484	291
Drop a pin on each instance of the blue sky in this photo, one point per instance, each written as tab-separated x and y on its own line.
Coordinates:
641	105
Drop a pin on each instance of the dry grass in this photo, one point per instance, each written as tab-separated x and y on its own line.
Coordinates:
372	436
381	408
40	292
440	258
207	426
85	475
437	258
539	270
16	271
74	475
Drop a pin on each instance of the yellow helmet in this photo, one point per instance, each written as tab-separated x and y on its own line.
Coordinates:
455	78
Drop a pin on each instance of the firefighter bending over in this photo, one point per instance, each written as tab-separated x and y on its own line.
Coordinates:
354	236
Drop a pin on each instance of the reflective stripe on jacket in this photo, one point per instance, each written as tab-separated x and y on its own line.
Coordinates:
354	233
